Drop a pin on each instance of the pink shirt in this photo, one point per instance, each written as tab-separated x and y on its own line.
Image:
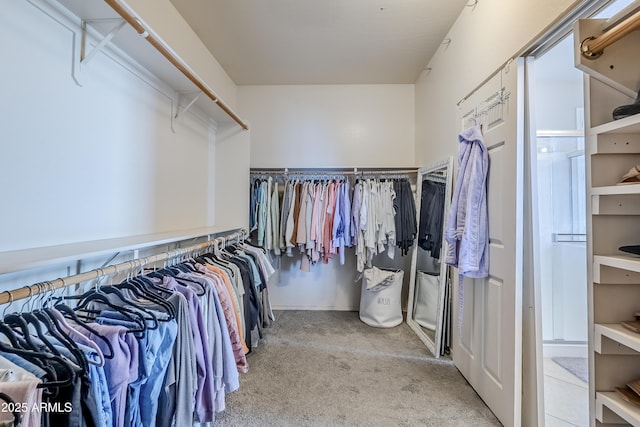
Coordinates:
328	224
229	315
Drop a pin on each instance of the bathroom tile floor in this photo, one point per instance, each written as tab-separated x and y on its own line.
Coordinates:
566	397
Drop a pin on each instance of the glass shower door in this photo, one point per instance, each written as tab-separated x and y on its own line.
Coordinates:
562	224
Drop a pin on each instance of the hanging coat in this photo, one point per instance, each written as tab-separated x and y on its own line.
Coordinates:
467	232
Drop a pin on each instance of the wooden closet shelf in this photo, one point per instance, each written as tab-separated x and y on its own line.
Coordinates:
616	190
622	262
629	124
624	409
617	333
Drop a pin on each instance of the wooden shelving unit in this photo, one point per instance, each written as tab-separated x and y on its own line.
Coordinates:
613	148
612	409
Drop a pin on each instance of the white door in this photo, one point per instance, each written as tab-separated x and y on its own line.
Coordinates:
487	345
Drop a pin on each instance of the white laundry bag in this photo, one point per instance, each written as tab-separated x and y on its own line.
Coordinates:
425	308
380	304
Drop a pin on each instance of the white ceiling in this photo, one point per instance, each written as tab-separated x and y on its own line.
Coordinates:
273	42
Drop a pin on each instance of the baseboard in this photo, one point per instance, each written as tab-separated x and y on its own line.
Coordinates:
315	308
552	349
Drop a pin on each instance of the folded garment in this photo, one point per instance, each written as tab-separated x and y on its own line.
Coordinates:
635	386
629	395
632	325
631	177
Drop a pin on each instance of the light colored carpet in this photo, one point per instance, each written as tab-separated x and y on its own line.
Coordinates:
327	368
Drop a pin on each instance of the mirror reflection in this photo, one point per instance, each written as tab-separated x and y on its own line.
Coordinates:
429	302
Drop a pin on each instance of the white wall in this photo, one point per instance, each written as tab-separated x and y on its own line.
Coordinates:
328	126
165	21
232	152
482	39
98	161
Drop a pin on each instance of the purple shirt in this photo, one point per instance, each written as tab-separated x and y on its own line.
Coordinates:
224	363
205	390
120	370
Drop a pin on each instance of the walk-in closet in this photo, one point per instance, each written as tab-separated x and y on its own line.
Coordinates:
329	213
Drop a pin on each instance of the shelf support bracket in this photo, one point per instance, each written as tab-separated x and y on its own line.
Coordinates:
82	56
179	112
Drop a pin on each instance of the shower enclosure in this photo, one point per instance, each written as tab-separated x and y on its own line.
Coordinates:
562	225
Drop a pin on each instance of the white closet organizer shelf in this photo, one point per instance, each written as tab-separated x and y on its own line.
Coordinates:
629	124
618	333
612	148
623	409
623	262
25	259
141	45
611	190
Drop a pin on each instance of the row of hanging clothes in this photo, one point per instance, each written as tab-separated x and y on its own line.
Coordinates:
319	217
161	348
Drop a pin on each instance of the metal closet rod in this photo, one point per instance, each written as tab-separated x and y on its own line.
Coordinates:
593	47
135	23
335	171
48	286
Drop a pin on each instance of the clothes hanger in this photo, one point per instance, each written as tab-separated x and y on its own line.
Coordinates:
185	281
184	267
64	339
38	317
230	248
151	317
144	289
114	290
248	243
17	417
43	361
40	359
158	274
213	259
66	311
217	254
147	285
10	335
187	266
31	319
16	321
97	296
17	347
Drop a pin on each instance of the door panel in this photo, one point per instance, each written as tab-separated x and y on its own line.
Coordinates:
491	351
487	347
468	320
497	156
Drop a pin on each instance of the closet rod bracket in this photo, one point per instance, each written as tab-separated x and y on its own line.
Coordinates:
83	52
181	95
186	98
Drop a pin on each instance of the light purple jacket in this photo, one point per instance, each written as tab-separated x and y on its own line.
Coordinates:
467	232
